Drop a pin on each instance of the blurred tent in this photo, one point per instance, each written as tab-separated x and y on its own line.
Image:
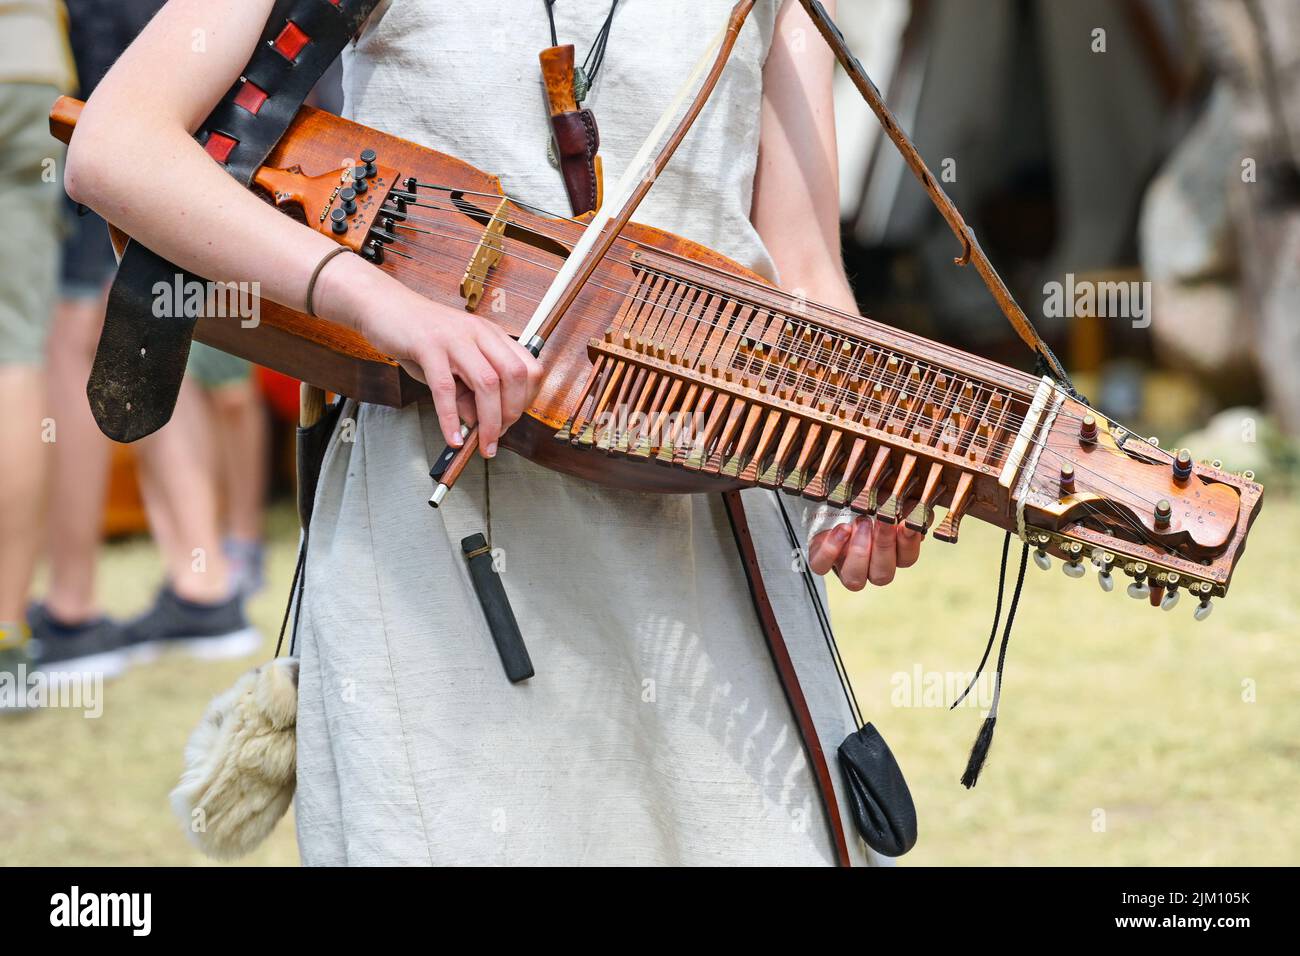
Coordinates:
1043	119
1221	224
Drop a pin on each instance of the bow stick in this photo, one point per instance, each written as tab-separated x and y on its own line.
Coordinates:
605	227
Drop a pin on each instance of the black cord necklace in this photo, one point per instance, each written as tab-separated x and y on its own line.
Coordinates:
584	76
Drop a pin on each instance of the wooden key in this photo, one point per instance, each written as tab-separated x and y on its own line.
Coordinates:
865	502
715	461
575	420
695	460
750	472
818	487
740	458
888	512
798	476
948	527
587	437
844	489
772	474
929	492
636	418
610	432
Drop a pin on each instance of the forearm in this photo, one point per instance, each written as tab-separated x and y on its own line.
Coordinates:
820	279
190	210
796	183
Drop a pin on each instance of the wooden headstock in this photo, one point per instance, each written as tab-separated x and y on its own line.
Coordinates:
345	204
1097	492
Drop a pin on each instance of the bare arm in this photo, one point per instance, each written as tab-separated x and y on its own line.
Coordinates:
134	161
796	212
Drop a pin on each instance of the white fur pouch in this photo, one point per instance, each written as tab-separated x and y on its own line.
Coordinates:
240	763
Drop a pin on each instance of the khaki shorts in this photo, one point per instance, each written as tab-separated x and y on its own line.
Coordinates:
31	191
213	368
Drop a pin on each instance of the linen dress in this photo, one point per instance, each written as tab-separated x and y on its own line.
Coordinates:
655	730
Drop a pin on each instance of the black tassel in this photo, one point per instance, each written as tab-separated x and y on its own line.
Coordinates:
979	752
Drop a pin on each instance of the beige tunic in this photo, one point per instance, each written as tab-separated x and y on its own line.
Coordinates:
655	730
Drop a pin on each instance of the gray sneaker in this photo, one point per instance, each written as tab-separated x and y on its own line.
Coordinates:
206	631
92	647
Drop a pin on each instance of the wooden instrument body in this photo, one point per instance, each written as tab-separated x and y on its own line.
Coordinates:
883	442
342	361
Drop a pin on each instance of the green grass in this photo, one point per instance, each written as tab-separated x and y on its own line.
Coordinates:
1112	713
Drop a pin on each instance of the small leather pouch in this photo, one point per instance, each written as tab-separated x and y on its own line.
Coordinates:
878	796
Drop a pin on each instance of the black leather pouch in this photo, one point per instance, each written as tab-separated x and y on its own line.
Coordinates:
878	796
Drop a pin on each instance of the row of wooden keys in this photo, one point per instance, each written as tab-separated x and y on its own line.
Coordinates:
806	411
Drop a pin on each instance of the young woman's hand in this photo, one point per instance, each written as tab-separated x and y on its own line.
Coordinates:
475	371
864	550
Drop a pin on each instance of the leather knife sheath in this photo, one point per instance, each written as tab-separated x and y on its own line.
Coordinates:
577	140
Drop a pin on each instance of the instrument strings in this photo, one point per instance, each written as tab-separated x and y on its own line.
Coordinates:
537	228
805	380
857	405
890	381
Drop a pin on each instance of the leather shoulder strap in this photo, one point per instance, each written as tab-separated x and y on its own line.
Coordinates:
786	672
141	357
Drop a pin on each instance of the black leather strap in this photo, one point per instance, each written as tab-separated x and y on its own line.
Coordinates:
141	356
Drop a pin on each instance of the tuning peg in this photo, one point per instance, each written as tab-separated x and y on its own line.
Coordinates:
1074	568
1139	589
1183	466
1172	594
1088	430
1203	609
1067	478
1040	554
368	156
1102	561
1164	512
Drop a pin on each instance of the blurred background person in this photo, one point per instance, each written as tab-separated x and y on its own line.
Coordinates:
35	67
183	476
